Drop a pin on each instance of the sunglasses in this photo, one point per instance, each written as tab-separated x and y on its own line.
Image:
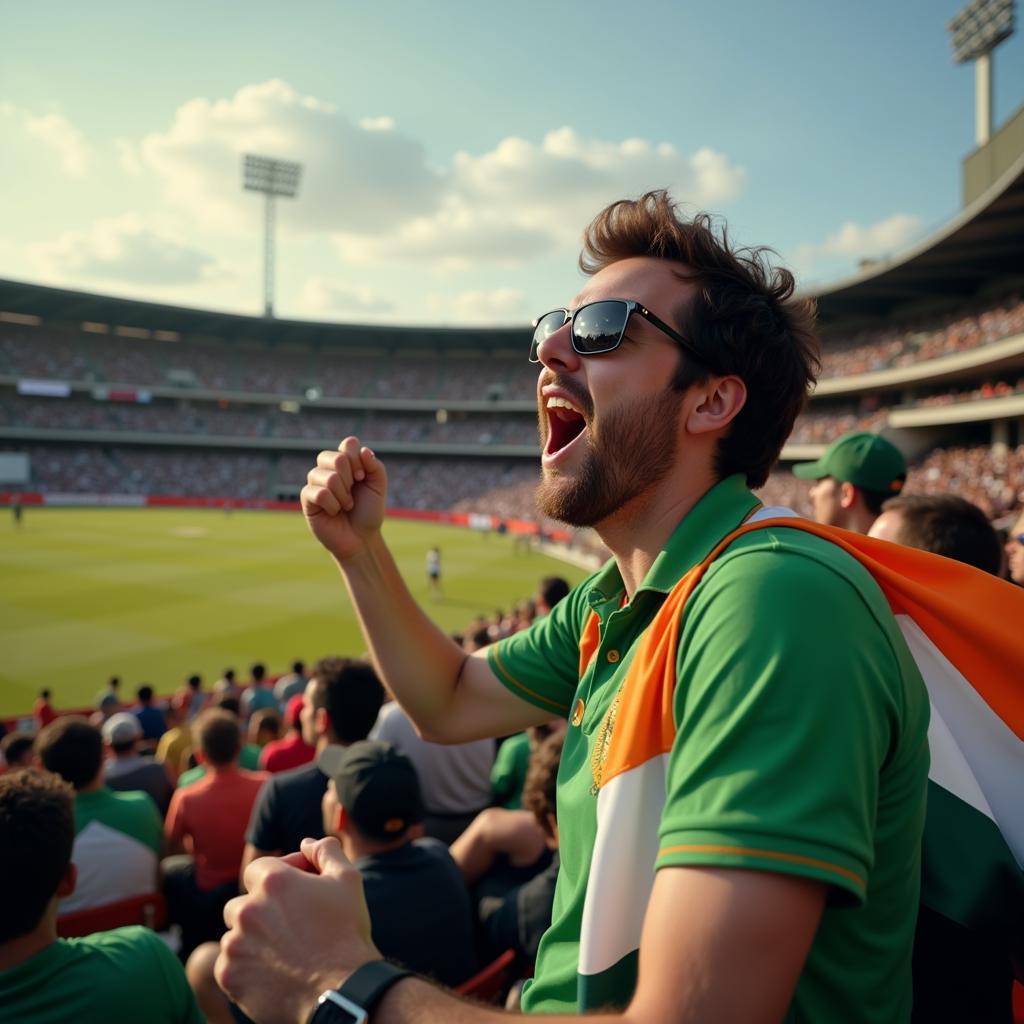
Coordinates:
599	327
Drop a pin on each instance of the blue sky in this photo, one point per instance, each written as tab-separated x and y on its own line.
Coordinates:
454	150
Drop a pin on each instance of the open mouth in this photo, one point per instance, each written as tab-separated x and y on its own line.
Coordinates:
565	423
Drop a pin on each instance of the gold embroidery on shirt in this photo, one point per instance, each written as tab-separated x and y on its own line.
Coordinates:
602	742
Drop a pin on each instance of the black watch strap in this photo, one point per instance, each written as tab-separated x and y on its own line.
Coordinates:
353	1001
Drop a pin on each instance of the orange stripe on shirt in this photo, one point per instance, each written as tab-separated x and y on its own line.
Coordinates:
748	851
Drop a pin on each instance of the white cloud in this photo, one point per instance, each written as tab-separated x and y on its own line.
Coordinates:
354	178
320	296
128	157
377	124
480	307
58	134
521	199
123	249
859	242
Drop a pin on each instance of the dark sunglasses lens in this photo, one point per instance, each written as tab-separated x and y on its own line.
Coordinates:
546	326
599	326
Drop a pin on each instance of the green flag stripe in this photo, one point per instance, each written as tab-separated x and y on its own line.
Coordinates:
968	872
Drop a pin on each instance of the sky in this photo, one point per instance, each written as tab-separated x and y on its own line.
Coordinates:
454	151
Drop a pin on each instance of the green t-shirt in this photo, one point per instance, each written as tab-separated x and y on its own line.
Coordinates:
800	747
118	977
248	758
508	773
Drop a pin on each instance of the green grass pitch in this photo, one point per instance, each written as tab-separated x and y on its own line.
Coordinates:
152	595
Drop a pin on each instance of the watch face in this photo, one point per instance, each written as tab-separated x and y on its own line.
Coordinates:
334	1008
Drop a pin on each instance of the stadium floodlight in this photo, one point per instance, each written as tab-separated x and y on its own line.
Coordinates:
273	178
977	30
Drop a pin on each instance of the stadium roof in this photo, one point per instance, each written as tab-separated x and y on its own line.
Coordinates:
984	242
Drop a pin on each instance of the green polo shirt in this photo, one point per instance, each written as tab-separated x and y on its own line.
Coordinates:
801	747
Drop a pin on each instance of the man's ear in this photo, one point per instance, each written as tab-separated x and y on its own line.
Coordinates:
341	821
321	722
718	402
848	495
66	886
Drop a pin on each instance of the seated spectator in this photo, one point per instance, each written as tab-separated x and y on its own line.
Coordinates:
196	697
127	769
455	780
107	705
518	919
418	903
150	717
118	836
175	745
16	751
1014	550
264	727
42	710
226	685
127	974
259	694
292	751
508	773
208	821
342	699
944	524
249	758
291	685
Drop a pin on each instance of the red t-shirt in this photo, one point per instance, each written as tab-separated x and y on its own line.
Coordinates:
43	712
214	813
291	752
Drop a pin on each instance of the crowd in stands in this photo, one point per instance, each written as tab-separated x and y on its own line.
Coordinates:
456	845
989	389
292	371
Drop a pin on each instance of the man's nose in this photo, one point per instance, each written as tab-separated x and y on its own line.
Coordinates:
556	353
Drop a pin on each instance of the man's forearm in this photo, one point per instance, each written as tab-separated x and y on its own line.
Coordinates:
417	661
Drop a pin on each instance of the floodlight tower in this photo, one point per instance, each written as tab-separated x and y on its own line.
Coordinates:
273	178
977	30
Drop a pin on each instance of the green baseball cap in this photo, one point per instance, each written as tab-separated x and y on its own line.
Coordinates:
862	459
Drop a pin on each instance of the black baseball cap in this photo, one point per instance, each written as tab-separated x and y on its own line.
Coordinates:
376	785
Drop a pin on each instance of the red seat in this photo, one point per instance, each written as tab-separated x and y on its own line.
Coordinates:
1018	1003
149	910
488	984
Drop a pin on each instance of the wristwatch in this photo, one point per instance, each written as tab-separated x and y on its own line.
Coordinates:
352	1002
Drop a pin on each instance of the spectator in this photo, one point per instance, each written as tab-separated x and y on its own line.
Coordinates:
249	758
342	699
419	907
292	751
127	770
150	717
117	835
259	695
208	821
126	974
552	590
107	705
1015	551
16	750
455	780
226	685
944	524
519	918
196	697
42	710
292	684
852	479
175	745
264	727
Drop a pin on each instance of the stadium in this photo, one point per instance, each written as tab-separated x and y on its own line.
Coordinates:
151	461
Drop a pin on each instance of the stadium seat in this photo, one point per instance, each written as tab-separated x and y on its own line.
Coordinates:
149	910
488	984
1018	1003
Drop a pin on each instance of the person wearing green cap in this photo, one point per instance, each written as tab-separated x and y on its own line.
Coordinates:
851	480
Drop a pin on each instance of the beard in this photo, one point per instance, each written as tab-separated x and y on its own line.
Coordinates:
633	451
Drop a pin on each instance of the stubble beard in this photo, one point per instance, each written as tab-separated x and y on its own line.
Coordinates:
632	453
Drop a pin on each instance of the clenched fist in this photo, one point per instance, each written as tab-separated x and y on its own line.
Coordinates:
343	500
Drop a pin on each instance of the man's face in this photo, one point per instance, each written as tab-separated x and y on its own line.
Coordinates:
888	526
307	716
826	500
620	437
1015	552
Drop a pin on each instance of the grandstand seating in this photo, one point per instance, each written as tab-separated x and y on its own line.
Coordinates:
149	910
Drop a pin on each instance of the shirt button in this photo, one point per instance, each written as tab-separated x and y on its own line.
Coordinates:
577	714
613	656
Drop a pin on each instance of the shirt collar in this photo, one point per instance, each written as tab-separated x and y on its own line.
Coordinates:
716	514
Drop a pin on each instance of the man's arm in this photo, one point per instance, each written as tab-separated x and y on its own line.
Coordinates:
450	696
734	955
